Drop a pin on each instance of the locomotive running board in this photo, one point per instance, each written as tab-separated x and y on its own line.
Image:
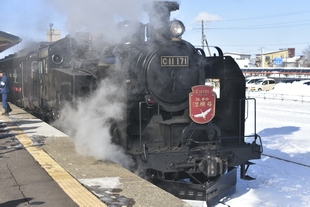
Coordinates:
212	194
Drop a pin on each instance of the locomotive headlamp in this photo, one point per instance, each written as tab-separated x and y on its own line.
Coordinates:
177	28
57	58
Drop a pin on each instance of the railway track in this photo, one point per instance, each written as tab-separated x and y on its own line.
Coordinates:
286	160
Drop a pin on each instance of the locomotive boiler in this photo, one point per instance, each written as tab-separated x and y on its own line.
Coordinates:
185	112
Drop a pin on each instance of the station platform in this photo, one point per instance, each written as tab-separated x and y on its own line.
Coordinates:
40	167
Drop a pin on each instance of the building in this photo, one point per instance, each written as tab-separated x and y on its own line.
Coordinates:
243	60
53	35
279	58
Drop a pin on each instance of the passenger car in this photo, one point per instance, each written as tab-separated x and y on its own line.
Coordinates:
263	85
304	82
249	81
290	80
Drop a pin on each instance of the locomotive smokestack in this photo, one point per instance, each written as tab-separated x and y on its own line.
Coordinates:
159	16
159	12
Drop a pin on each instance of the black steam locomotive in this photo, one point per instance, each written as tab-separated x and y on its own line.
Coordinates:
185	117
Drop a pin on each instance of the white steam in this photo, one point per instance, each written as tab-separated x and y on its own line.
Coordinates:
88	123
98	16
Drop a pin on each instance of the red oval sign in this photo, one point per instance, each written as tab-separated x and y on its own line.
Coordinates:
202	104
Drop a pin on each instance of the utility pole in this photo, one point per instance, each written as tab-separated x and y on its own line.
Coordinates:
51	32
262	57
203	38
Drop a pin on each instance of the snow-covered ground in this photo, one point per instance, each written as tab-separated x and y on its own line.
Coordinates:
296	91
284	126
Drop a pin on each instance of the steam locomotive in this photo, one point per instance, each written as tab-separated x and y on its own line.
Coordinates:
185	112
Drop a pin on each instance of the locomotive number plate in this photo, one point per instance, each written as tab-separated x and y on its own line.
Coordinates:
174	61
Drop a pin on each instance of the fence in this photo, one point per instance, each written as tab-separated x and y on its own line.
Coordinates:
278	96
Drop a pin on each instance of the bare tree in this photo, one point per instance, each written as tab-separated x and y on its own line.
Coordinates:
306	53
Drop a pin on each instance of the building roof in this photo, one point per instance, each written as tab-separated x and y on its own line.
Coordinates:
234	53
8	40
271	52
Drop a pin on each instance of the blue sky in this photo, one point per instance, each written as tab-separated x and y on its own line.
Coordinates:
241	26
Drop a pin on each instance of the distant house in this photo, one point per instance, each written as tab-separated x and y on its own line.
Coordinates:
279	58
296	61
243	60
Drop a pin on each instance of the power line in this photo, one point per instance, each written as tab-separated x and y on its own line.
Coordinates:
273	26
264	17
264	26
269	25
300	43
298	23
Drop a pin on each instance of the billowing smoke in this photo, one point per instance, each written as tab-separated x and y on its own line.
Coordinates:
98	16
88	123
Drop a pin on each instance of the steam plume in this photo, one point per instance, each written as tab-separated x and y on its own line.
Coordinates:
88	123
98	15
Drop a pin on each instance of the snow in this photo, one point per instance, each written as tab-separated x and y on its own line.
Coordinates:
283	123
284	126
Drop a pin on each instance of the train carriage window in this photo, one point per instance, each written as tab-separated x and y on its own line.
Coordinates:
34	69
40	67
45	66
15	76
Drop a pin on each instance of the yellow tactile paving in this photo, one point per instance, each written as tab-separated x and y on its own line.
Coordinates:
80	195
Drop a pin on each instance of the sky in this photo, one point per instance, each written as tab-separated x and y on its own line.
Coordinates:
238	26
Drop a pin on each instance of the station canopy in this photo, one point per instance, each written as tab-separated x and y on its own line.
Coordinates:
8	40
